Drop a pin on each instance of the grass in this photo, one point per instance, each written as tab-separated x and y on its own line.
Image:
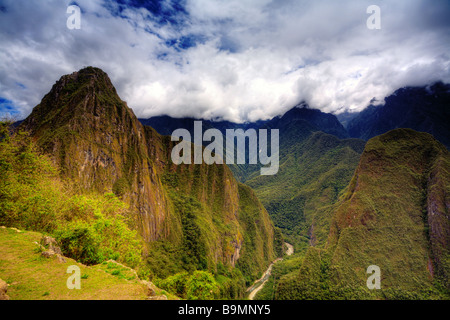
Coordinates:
33	277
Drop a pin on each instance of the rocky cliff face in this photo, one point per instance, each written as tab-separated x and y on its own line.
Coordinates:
99	143
95	139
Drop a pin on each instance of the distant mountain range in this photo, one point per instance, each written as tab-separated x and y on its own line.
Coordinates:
425	109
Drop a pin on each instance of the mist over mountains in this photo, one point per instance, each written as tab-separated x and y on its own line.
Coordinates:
423	109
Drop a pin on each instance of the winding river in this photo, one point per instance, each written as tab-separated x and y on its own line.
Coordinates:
259	284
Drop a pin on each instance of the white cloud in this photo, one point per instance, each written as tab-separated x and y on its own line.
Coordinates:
252	59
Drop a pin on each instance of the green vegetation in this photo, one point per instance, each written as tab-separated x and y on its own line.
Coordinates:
111	192
90	228
314	168
200	285
204	226
289	264
390	215
108	191
256	253
33	277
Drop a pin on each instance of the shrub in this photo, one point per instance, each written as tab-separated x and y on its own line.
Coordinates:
175	284
93	242
201	286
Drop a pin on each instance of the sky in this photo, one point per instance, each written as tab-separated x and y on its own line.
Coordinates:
237	60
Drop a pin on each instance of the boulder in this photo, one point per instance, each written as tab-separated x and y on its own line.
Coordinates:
162	297
150	288
47	241
3	290
51	244
60	258
48	253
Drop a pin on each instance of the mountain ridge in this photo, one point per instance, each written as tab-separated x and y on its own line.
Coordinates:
424	109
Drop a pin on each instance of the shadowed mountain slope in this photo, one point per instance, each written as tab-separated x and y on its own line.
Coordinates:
425	109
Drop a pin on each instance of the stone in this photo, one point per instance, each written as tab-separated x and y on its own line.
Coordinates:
3	290
60	258
48	254
150	287
46	241
51	244
162	297
55	249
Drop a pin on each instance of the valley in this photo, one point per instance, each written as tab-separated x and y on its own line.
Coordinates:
259	284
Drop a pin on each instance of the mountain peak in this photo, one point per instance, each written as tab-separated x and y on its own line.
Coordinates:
99	144
90	77
325	122
82	99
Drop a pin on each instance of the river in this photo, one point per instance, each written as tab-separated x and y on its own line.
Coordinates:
259	284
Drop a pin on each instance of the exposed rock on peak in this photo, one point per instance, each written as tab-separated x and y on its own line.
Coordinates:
99	143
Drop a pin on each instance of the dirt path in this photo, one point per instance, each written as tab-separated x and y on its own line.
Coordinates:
259	284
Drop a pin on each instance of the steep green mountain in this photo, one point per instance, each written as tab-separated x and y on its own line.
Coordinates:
95	140
190	216
425	109
393	214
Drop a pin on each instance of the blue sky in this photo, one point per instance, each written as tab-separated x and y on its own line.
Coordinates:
238	60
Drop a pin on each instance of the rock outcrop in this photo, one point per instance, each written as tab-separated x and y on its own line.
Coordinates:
3	290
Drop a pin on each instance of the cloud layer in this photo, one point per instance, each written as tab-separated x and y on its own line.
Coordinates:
237	60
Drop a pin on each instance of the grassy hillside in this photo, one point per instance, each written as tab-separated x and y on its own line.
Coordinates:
33	277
